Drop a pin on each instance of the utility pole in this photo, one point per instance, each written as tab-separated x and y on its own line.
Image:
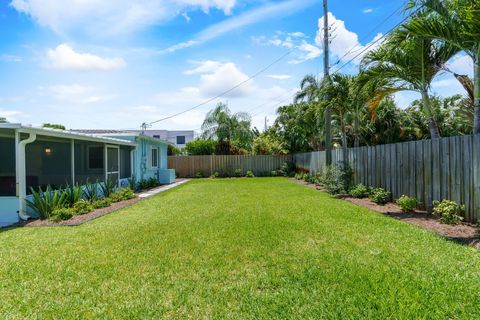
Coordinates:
326	78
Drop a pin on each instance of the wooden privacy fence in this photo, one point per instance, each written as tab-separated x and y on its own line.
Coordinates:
189	166
446	168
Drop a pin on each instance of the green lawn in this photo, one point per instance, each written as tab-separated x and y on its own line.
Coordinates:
263	248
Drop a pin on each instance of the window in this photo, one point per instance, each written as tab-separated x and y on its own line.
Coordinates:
156	136
95	157
180	139
154	157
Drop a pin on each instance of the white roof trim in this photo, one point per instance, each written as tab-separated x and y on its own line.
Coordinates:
65	134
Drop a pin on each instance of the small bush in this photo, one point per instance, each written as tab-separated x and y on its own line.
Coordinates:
199	175
126	194
359	191
274	173
380	196
142	185
332	180
90	192
286	169
449	212
61	214
44	203
82	207
238	173
152	183
104	203
73	194
108	188
215	175
408	203
250	174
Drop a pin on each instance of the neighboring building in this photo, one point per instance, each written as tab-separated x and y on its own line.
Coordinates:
178	138
37	157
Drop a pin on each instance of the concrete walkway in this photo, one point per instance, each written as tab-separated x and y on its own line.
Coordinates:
160	189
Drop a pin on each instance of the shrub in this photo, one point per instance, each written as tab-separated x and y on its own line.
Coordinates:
286	169
108	188
238	173
132	182
215	175
90	192
449	212
82	207
73	194
250	174
359	191
332	180
61	214
152	182
44	203
199	147
199	175
380	196
142	185
126	194
408	203
104	203
274	173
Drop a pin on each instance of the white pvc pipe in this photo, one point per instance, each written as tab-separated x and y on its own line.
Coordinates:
21	172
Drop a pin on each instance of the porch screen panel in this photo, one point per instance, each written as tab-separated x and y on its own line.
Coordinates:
89	162
125	163
7	167
113	164
48	163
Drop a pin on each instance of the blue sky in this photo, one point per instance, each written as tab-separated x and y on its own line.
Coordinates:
119	63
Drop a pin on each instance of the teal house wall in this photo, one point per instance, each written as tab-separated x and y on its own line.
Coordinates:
143	166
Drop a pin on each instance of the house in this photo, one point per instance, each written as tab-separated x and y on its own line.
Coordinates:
178	138
37	157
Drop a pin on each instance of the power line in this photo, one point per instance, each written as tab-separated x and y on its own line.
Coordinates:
352	50
227	91
378	40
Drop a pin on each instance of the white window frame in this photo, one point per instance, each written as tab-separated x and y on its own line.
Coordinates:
154	150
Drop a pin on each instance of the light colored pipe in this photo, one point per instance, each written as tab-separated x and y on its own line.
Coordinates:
21	172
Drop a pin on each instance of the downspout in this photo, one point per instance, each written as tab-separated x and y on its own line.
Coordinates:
159	158
21	172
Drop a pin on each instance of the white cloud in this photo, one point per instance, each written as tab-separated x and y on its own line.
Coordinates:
204	67
63	57
10	58
245	19
111	16
345	41
461	64
74	94
368	10
279	76
217	77
309	52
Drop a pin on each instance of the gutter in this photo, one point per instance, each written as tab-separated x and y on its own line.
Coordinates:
20	146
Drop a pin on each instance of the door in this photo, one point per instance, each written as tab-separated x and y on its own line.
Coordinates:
113	163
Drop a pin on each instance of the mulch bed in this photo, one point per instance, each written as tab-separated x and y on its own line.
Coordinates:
80	219
463	233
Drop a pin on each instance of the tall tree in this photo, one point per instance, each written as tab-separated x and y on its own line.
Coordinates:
229	129
456	22
409	63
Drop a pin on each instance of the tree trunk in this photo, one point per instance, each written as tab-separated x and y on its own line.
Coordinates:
356	126
344	141
432	125
328	136
476	96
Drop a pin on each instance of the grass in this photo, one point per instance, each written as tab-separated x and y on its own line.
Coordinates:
240	249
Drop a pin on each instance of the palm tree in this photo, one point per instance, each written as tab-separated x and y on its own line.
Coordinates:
456	22
228	128
311	92
408	63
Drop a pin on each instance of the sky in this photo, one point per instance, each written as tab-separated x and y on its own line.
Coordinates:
115	64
